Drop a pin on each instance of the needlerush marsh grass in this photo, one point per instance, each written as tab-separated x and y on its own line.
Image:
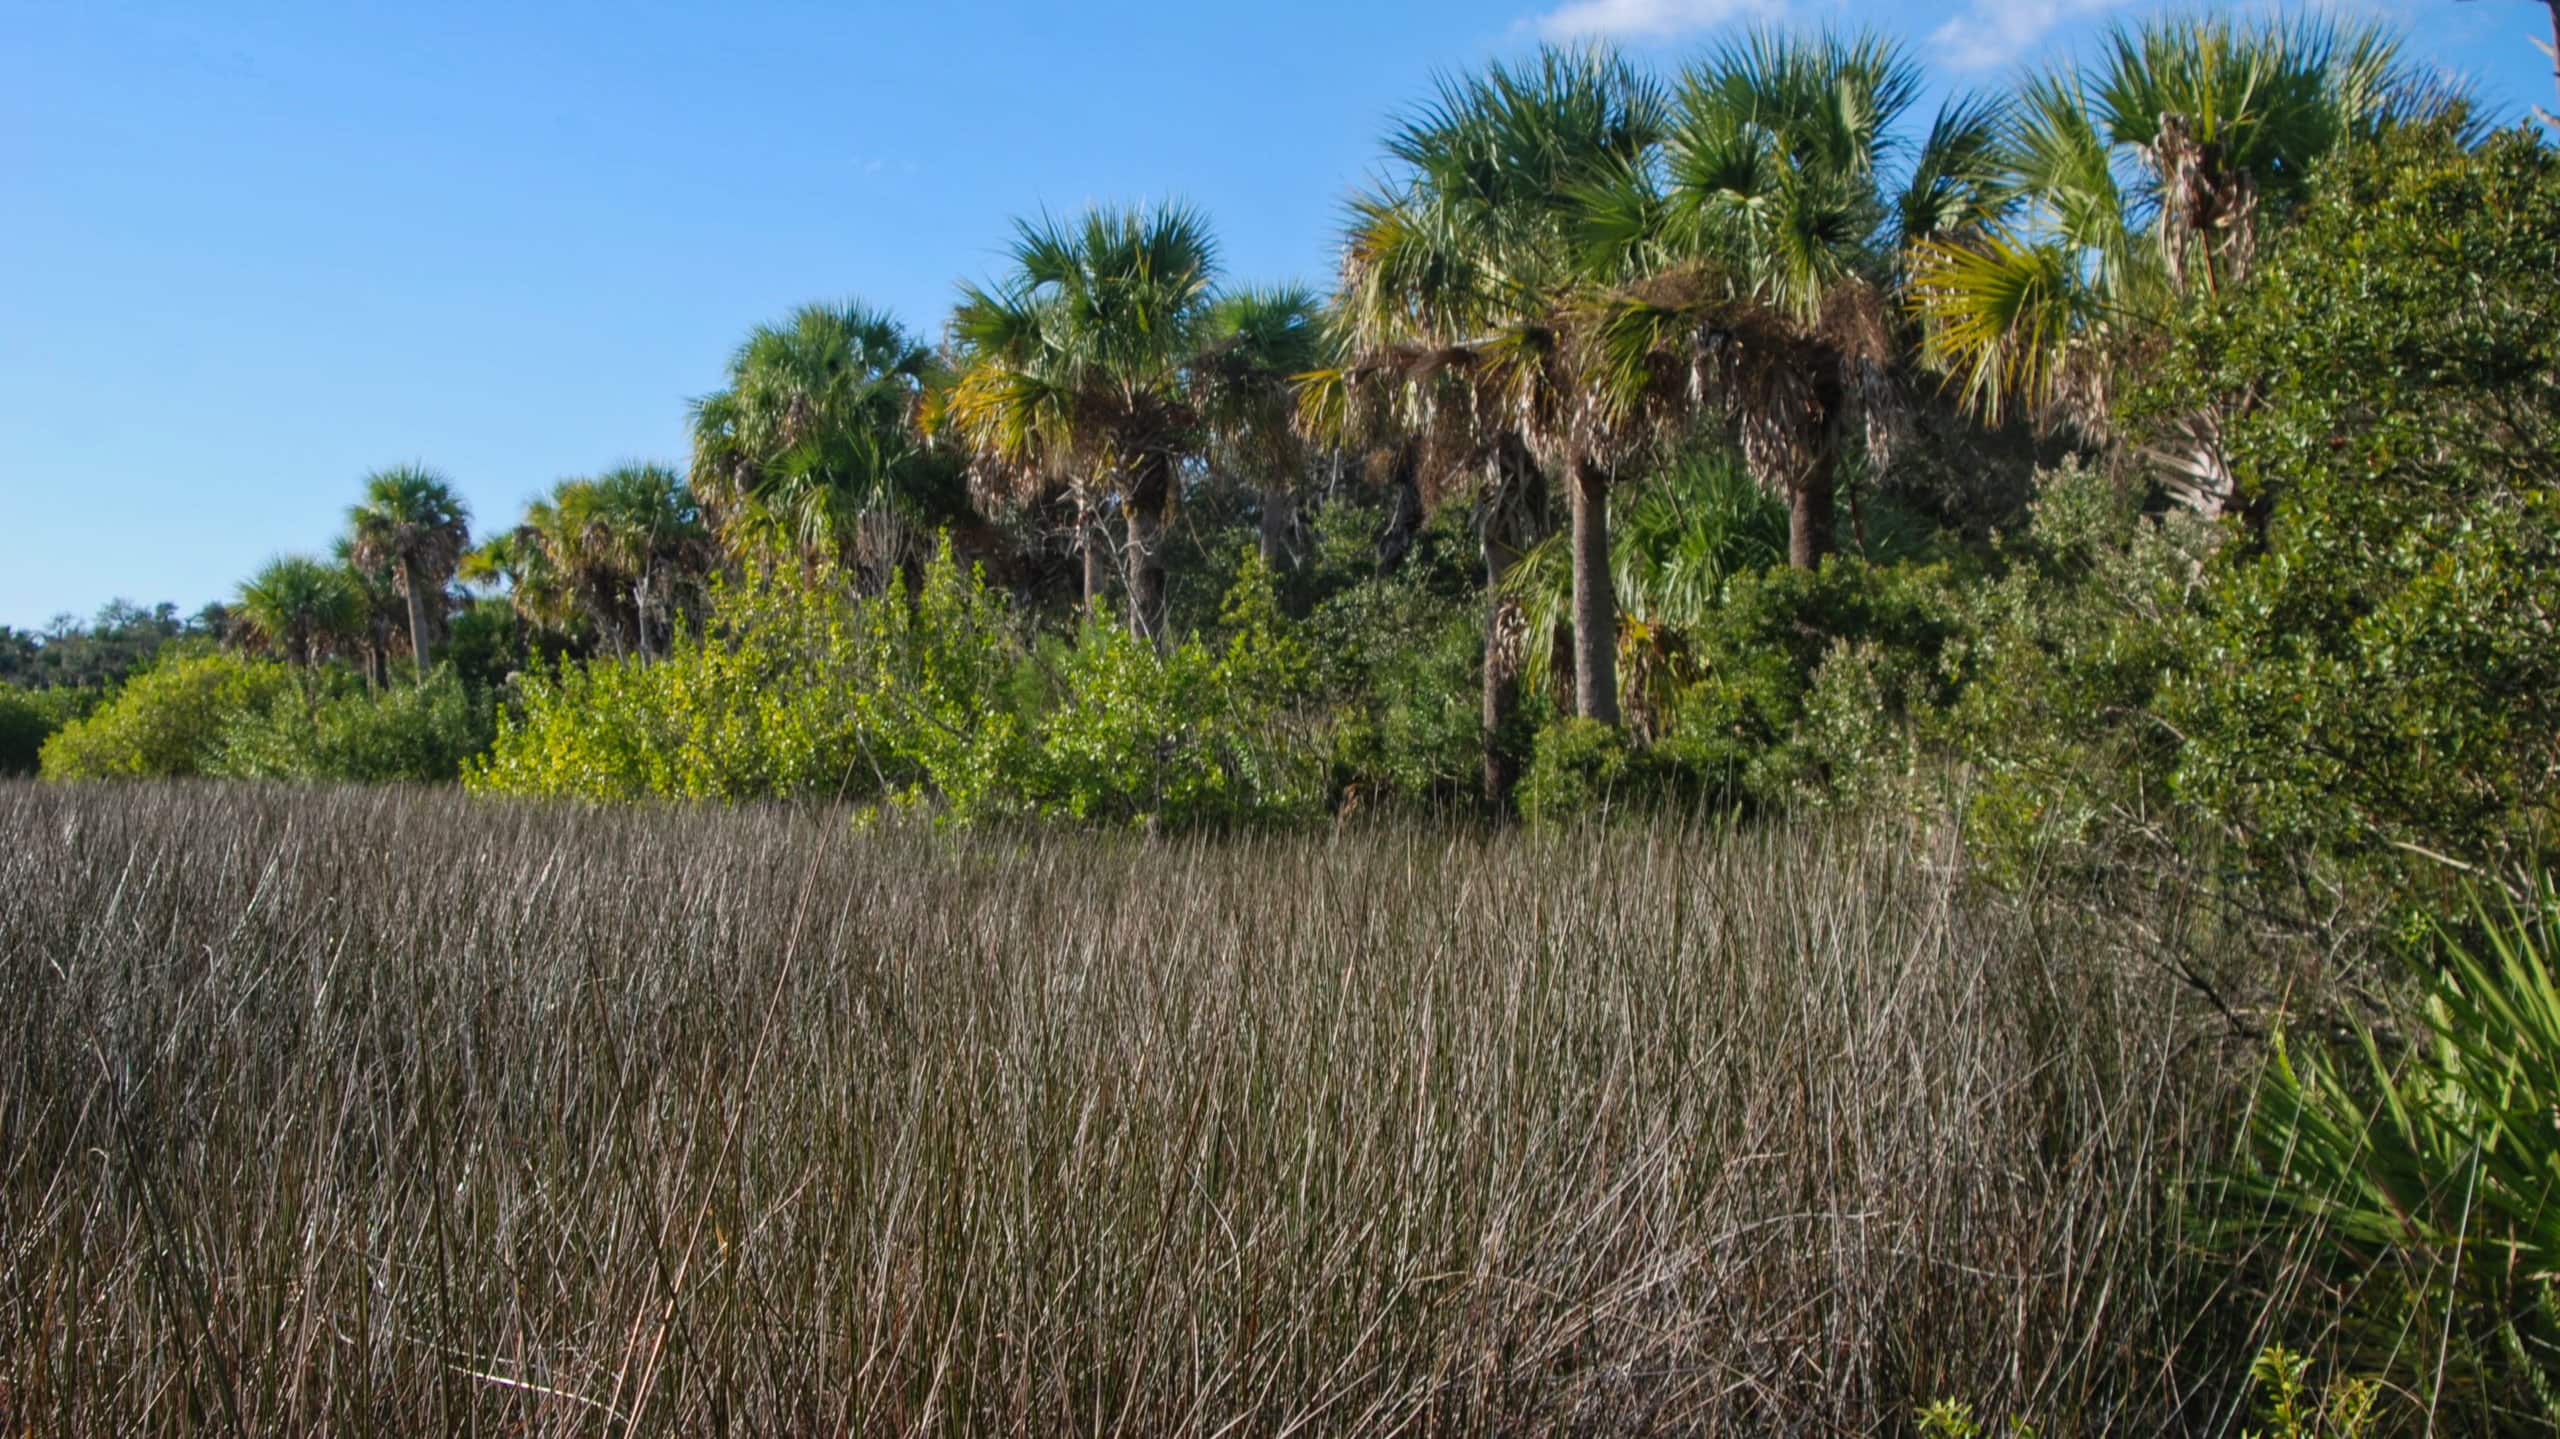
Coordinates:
394	1111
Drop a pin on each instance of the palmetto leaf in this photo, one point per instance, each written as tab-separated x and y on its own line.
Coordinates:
300	606
2003	312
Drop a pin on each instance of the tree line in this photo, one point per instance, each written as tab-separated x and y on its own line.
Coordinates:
1742	413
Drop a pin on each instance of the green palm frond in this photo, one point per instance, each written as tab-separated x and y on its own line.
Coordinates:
301	607
2002	314
411	522
821	418
1774	162
1675	545
1955	185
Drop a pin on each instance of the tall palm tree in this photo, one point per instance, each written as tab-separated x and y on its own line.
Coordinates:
1257	342
816	436
1457	273
636	538
517	564
1768	242
382	615
2125	184
1074	367
301	607
1673	549
411	523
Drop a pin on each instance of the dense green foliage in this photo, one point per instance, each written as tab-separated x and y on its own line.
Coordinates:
29	717
225	715
942	697
168	721
334	731
2356	680
2377	675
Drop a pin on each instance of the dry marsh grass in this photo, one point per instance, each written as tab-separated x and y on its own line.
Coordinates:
388	1112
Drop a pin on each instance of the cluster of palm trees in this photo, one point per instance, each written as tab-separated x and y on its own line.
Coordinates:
385	584
1571	268
1567	272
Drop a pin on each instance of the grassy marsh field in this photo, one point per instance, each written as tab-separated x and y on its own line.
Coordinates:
379	1111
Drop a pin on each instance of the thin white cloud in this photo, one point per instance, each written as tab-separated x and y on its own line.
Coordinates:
1647	19
1994	33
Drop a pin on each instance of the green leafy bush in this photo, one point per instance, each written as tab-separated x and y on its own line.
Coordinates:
29	717
932	698
334	731
1580	767
759	703
1800	684
169	721
1188	737
1400	667
2066	654
2375	680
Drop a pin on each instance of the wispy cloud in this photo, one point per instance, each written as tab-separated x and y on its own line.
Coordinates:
1993	33
1647	19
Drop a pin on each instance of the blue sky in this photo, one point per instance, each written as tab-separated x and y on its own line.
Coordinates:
248	253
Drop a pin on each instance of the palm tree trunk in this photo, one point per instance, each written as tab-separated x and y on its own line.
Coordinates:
417	618
1512	481
1404	523
1149	489
1501	672
1089	547
1276	519
1812	516
1595	599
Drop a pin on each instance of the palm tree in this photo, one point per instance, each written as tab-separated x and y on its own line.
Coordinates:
1457	273
637	539
1257	342
2151	173
517	564
1768	244
381	613
411	523
1672	550
1074	368
300	606
816	435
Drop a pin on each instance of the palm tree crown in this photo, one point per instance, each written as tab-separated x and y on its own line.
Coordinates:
412	524
2124	183
816	430
1074	368
300	606
1768	253
1256	343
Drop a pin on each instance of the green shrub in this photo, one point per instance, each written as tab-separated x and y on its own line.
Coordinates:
1400	667
2423	1173
336	732
2066	654
1188	737
29	717
169	721
951	694
932	698
2375	680
759	703
1580	767
1800	684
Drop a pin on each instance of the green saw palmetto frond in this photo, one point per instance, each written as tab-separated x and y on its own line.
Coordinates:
2003	313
